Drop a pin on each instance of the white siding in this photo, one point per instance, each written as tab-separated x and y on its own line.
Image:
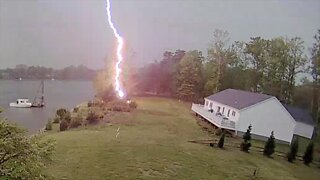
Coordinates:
265	117
215	106
303	130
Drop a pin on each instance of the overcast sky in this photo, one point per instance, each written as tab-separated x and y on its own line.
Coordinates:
58	33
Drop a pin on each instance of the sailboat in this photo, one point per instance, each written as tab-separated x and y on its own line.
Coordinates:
37	102
39	98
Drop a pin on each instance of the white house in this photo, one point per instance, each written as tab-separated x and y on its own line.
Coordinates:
235	110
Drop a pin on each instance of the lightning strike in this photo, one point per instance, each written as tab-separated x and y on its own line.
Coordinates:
119	50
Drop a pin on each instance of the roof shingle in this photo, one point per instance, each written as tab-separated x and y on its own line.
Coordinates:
237	98
300	115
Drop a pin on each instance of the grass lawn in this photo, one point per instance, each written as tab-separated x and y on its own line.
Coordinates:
153	144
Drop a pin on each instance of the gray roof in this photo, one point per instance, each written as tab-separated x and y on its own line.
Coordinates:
237	98
300	115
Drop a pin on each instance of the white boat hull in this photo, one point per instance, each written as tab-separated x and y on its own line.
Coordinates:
24	105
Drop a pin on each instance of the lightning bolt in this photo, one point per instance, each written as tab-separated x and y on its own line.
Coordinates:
119	50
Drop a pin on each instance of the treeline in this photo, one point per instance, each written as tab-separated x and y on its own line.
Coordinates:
80	72
268	66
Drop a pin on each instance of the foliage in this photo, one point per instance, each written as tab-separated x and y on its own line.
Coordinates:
108	94
49	125
92	117
245	145
269	146
161	77
39	72
190	76
56	120
221	140
67	117
308	154
76	109
76	121
269	66
119	105
218	59
291	156
22	157
315	60
64	125
133	105
61	113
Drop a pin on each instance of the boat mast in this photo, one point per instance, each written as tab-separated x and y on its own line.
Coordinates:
36	103
42	93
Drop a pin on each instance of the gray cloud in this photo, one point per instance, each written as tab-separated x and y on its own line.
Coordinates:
57	33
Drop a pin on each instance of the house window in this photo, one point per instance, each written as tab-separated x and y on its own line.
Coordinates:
211	105
218	110
233	113
222	110
228	112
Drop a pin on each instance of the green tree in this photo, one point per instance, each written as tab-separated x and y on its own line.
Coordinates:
218	59
308	154
285	61
291	156
257	51
21	156
296	64
315	60
245	145
273	79
237	75
269	146
221	140
63	115
190	76
61	112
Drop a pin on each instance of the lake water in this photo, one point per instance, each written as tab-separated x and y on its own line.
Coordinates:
58	94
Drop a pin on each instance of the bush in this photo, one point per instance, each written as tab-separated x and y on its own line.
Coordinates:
308	154
133	105
293	150
64	125
245	145
22	156
120	105
221	140
92	117
269	146
108	95
49	125
90	104
62	115
76	109
61	112
76	122
67	117
56	120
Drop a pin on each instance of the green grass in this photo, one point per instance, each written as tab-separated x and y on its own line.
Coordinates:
153	143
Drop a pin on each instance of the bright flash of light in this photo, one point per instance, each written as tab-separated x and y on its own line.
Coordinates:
119	50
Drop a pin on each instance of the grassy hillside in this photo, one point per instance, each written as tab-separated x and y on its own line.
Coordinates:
153	143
